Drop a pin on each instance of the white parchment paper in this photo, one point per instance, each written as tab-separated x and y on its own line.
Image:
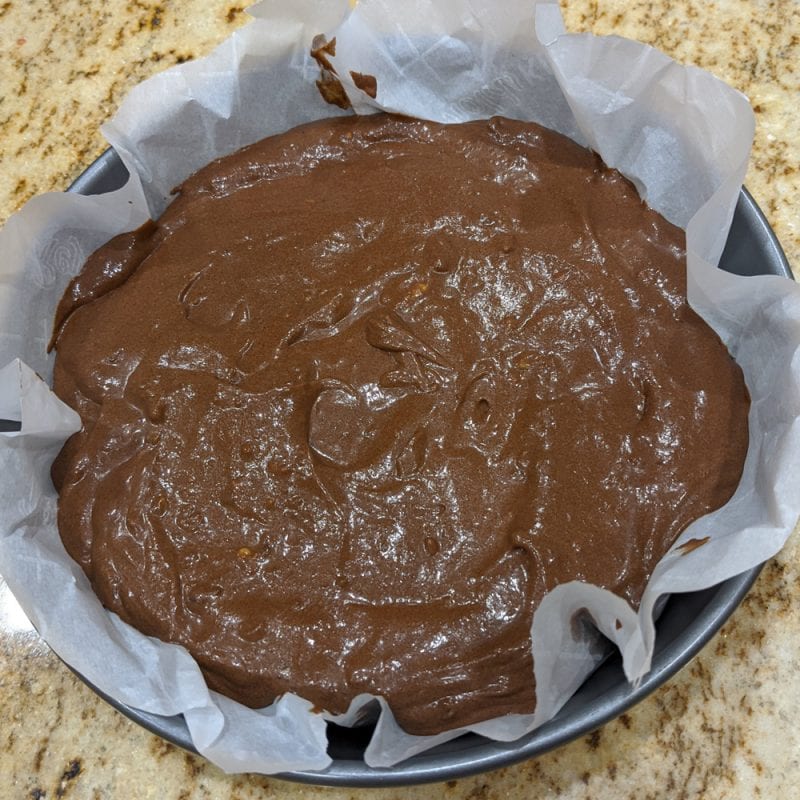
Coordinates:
681	135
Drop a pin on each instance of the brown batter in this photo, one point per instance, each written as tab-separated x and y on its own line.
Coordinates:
369	389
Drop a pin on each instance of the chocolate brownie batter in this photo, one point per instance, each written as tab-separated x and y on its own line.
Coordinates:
369	389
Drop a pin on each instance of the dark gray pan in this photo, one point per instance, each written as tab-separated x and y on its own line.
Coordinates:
687	623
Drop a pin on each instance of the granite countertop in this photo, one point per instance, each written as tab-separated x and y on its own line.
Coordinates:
725	727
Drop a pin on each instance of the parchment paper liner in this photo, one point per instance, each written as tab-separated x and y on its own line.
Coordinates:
681	135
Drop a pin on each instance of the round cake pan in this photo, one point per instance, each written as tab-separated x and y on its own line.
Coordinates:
686	624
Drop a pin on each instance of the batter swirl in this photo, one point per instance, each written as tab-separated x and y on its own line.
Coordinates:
369	389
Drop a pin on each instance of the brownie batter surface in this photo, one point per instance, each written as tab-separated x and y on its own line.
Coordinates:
369	389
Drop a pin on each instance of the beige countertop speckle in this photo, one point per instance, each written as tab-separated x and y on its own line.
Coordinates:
725	727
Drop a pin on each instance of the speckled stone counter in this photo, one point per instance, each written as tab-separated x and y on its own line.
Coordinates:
725	727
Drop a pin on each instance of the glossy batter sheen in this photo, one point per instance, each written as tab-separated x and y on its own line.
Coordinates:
370	388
